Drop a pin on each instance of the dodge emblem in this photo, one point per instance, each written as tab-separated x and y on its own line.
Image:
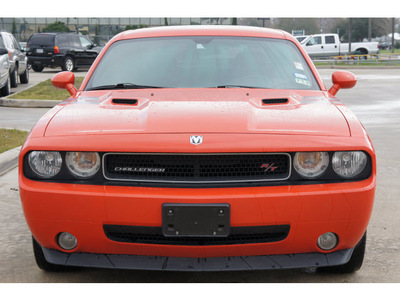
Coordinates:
196	139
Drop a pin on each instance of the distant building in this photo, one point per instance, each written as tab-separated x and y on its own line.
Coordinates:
102	28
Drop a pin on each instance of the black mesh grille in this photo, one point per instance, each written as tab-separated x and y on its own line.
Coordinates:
197	167
239	235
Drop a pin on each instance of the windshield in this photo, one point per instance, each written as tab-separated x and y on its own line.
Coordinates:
203	62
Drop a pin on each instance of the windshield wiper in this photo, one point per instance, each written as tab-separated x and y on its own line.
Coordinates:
239	86
122	86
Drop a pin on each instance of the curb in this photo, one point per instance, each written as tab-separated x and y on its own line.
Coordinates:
9	160
29	103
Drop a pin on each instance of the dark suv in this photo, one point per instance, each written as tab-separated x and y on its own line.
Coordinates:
66	50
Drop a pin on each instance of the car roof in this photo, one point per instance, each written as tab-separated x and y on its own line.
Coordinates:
245	31
53	33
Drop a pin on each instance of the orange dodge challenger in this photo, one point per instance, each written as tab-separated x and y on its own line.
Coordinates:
199	148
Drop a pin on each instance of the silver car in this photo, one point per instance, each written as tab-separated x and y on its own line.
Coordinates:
4	71
17	57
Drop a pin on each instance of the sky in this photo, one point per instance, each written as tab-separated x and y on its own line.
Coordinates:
199	8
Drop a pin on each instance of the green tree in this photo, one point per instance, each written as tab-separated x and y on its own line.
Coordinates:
14	27
359	32
96	39
128	27
56	27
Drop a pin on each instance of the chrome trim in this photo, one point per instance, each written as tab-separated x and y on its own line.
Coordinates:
198	182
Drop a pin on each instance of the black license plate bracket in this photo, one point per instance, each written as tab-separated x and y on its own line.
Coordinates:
196	220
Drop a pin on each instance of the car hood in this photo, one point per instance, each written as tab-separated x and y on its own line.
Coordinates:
199	111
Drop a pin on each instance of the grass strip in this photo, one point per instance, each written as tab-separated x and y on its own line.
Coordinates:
45	91
11	138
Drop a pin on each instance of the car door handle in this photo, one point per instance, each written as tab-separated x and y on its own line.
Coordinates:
322	47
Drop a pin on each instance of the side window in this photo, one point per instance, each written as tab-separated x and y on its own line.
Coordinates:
314	41
62	40
85	42
329	39
8	42
75	41
1	42
15	43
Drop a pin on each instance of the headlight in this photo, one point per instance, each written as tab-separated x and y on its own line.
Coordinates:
349	164
46	164
83	164
311	164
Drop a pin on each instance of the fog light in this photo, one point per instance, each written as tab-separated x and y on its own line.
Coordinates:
67	241
327	241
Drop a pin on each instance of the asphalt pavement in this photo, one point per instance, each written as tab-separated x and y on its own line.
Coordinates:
376	102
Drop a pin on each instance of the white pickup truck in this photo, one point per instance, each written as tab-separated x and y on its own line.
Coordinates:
324	45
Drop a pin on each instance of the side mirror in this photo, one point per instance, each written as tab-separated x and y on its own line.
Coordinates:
3	51
65	80
342	80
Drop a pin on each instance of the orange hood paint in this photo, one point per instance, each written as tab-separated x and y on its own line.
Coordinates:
193	111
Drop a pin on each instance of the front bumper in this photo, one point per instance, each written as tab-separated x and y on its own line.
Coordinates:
310	210
235	263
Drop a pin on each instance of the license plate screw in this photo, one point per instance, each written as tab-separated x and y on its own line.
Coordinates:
170	212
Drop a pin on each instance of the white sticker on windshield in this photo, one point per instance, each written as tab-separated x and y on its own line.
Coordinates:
200	46
301	76
298	66
303	81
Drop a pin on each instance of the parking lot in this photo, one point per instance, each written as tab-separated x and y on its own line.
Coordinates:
376	102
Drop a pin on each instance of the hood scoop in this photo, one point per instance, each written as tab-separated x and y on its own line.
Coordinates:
125	101
275	101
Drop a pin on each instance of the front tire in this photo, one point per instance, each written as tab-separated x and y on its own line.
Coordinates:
355	262
24	78
14	77
6	90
